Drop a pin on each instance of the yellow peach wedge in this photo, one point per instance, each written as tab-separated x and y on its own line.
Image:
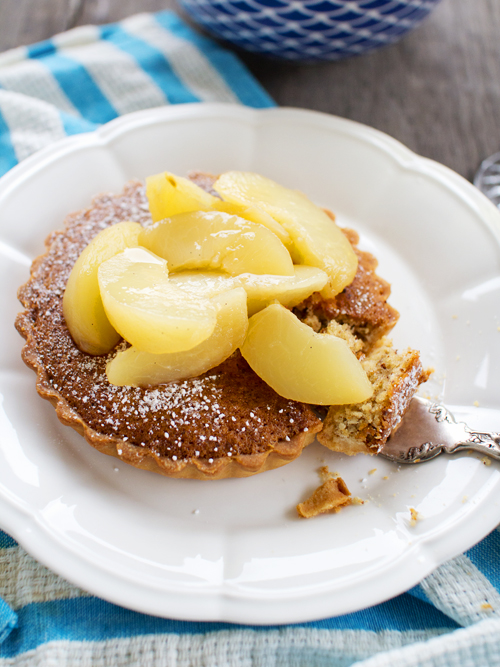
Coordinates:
287	290
148	310
205	283
300	364
169	194
217	241
316	238
261	289
257	215
82	304
135	368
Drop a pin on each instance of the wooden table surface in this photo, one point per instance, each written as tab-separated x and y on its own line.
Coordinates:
437	90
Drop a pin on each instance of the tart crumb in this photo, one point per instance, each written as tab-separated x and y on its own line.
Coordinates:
414	516
331	496
325	474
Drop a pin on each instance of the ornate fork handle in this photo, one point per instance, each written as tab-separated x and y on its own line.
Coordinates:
484	443
429	429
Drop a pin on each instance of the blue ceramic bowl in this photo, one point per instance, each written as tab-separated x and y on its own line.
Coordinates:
308	30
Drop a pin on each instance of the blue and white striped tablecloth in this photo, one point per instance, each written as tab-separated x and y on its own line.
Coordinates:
85	77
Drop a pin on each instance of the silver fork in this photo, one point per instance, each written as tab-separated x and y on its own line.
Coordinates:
429	429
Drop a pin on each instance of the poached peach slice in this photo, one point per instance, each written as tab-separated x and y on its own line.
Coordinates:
316	238
288	290
218	241
147	309
261	289
136	368
169	194
83	310
300	364
255	214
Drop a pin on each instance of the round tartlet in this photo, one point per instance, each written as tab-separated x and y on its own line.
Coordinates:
225	423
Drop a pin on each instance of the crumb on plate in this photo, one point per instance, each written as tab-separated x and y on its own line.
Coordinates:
331	496
414	516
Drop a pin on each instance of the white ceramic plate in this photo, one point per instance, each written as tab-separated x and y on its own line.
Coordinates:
235	550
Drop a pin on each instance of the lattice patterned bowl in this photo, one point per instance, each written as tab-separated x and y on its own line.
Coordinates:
309	30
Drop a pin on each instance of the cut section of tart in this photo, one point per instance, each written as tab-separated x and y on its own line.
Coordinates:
364	427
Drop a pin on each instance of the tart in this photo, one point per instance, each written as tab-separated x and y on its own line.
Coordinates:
226	422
